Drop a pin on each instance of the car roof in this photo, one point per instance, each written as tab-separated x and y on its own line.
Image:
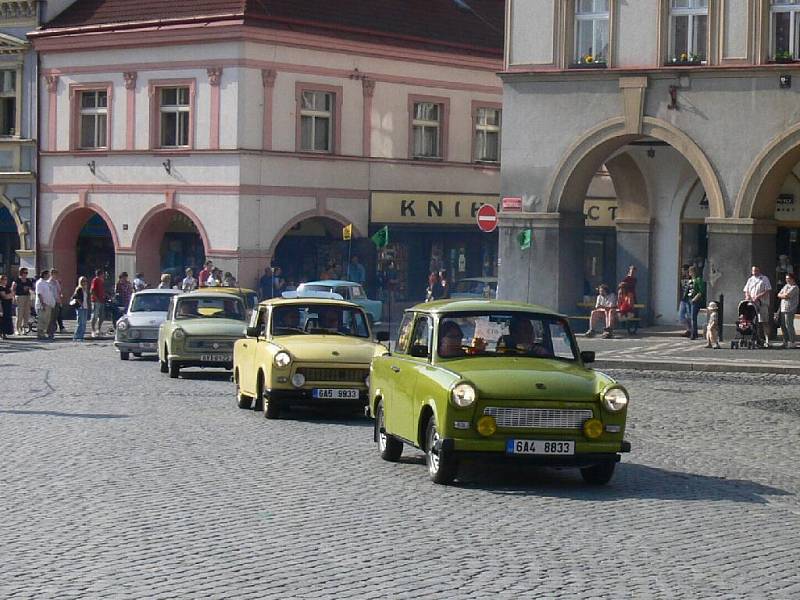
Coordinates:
214	294
157	291
477	305
331	282
304	300
226	289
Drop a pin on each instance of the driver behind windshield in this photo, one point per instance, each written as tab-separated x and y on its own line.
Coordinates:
522	337
288	319
450	337
329	319
231	309
188	308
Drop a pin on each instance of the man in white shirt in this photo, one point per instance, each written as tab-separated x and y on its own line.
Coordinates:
757	290
45	303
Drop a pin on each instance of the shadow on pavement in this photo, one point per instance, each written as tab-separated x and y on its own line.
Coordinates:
207	375
630	481
327	415
53	413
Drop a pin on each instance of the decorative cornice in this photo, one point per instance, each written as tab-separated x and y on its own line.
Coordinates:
52	83
214	75
130	79
268	77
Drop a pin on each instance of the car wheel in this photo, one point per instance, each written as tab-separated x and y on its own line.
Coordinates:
441	469
598	474
270	407
242	400
391	448
162	366
123	356
174	369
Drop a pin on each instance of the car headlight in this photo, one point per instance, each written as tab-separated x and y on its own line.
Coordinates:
282	359
615	399
122	325
178	334
464	395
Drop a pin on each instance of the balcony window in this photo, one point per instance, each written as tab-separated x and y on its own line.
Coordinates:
94	119
688	31
487	134
785	30
316	121
175	117
591	31
8	103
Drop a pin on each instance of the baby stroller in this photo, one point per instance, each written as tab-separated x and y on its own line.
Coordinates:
748	332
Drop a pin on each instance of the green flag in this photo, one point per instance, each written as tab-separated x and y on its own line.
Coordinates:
381	237
524	239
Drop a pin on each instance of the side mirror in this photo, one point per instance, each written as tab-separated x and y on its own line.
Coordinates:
251	332
382	336
587	356
419	351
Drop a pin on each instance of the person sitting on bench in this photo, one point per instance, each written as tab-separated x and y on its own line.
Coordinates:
605	310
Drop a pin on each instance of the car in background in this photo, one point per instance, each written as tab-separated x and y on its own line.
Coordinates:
248	296
304	351
495	380
200	330
137	330
475	287
348	290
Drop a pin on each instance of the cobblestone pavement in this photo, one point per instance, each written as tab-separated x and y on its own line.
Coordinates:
119	482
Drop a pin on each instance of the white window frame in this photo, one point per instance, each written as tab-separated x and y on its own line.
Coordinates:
424	124
177	109
483	128
314	115
594	17
12	94
96	112
691	13
794	44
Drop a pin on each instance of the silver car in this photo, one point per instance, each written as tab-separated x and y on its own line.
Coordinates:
137	330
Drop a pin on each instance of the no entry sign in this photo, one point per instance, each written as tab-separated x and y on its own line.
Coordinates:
487	218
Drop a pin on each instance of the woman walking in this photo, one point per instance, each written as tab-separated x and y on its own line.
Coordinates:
6	297
81	302
789	296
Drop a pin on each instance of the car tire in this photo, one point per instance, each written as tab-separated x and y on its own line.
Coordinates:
598	474
162	366
441	469
174	369
270	407
123	356
242	400
390	447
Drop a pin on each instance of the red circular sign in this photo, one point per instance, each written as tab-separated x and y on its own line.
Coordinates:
487	218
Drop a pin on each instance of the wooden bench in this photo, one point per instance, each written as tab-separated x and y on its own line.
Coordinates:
631	324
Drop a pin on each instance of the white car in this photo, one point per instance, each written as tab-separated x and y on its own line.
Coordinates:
137	330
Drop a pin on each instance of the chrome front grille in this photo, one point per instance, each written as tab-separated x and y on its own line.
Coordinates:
209	345
538	418
332	374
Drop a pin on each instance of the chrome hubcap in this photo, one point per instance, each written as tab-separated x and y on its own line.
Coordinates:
433	458
381	434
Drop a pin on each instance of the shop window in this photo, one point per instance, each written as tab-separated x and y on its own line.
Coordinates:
8	103
592	31
174	117
426	129
688	36
94	119
316	121
487	134
784	29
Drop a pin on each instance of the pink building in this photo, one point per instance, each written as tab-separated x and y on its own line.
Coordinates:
174	132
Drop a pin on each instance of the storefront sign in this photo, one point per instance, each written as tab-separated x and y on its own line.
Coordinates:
512	204
428	209
599	212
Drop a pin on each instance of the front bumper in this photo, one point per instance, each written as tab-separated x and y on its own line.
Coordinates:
183	360
143	346
586	454
304	397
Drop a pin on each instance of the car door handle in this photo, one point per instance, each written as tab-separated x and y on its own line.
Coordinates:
395	369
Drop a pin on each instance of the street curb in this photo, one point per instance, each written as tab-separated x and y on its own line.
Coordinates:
730	367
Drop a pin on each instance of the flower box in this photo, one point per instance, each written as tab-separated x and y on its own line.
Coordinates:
589	65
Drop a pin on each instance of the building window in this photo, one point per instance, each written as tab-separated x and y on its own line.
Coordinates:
426	127
316	121
688	25
94	119
591	31
487	134
175	116
8	103
785	29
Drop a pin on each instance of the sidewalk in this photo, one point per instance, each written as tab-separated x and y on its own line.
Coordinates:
664	349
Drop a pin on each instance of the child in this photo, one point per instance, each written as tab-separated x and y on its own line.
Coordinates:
712	329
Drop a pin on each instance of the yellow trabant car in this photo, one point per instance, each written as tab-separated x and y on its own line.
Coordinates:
304	351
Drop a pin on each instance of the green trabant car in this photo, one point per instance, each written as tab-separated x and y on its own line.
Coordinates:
492	379
304	351
200	330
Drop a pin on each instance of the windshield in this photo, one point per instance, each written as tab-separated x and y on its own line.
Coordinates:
210	308
477	288
319	319
505	334
150	302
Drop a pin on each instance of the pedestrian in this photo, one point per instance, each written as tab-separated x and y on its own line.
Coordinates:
215	278
58	311
229	280
6	300
712	326
444	283
56	288
629	283
435	291
165	282
45	301
265	284
684	311
356	272
123	292
189	282
82	303
605	310
202	277
139	283
21	287
757	290
97	294
696	299
789	296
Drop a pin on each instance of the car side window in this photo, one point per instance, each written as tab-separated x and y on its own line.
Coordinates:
404	333
421	340
171	309
260	321
344	292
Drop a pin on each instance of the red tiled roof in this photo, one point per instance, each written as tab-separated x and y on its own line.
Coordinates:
434	24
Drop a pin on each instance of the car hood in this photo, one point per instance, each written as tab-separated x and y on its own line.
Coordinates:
528	378
322	348
146	319
213	327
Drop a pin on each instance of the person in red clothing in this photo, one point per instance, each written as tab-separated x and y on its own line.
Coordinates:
203	276
97	292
